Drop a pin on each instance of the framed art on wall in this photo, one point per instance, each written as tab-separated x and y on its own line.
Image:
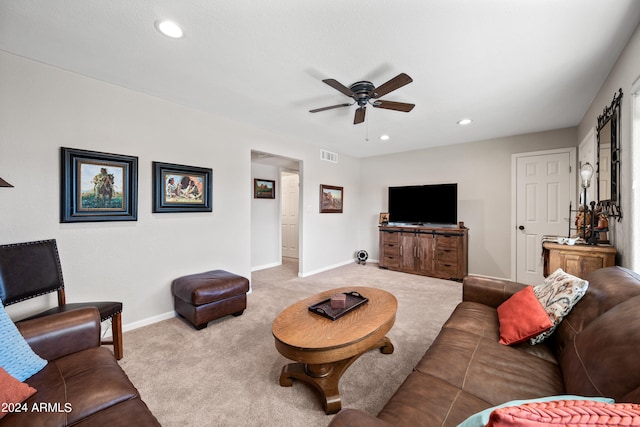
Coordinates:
98	186
331	199
264	189
180	188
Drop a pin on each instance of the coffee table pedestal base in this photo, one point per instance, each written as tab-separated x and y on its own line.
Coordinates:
324	378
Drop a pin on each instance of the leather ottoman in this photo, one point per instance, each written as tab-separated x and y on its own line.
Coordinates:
201	298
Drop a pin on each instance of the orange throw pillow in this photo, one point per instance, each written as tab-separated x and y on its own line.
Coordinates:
12	392
567	413
522	317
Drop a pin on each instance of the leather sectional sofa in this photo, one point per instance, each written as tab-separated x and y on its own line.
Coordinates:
593	352
82	383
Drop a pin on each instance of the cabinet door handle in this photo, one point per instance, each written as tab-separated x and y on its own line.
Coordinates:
401	250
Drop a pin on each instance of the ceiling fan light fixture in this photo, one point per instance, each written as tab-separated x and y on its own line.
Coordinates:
364	92
170	29
464	122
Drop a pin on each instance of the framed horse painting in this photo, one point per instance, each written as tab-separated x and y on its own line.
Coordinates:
98	186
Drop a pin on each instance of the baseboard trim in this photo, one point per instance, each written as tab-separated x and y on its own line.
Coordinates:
327	268
148	321
265	266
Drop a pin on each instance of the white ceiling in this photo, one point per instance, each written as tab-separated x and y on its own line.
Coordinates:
513	66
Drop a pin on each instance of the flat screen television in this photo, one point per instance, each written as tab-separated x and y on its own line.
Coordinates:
424	204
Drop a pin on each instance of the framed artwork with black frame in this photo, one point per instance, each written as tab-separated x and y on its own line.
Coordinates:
264	188
98	186
331	199
180	188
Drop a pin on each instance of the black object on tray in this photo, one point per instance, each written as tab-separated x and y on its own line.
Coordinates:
323	308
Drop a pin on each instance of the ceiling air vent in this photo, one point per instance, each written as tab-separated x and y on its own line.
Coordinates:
328	156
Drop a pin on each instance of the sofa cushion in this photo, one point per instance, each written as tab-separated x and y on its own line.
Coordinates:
133	412
608	287
522	317
601	360
81	384
12	392
16	357
425	400
492	372
558	295
475	318
567	413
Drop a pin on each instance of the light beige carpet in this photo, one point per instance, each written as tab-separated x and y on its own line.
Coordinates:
227	374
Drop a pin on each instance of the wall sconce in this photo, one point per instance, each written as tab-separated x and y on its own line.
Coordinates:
4	183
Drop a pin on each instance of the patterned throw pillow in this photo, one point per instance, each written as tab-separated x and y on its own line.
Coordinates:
16	357
482	418
567	413
558	295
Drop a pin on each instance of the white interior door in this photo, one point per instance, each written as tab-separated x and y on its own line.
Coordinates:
543	191
289	214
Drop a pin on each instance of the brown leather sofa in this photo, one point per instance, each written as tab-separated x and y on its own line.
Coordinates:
593	352
82	383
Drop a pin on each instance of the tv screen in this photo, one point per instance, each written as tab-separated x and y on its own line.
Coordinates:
424	204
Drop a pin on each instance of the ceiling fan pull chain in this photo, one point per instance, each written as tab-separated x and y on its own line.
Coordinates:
366	139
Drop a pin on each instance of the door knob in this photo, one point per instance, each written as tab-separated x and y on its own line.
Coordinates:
521	227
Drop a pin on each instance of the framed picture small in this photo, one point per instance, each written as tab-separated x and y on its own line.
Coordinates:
384	218
264	189
331	199
180	188
98	186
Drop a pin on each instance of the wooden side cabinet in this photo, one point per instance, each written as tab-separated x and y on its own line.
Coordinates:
578	260
436	252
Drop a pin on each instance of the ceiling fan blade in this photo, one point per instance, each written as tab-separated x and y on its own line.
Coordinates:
317	110
392	105
395	83
340	87
359	116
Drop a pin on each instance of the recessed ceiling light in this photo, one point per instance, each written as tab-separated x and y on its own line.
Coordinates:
464	122
384	137
169	29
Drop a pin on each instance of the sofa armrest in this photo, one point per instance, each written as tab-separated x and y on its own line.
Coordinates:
356	418
488	290
60	334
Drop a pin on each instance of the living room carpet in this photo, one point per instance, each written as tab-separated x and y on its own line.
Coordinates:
227	374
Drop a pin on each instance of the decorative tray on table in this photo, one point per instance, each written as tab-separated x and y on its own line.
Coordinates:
323	308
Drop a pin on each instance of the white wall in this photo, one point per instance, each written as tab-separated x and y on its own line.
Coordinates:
43	108
624	73
265	221
483	173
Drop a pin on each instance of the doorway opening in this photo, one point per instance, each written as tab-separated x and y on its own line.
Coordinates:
276	223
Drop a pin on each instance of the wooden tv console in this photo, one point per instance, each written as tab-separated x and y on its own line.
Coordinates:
430	251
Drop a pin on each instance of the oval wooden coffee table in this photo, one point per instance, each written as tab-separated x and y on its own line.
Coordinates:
323	348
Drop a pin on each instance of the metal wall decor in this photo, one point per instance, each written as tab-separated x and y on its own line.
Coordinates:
608	170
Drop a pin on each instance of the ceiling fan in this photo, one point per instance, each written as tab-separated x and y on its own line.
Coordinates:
365	92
